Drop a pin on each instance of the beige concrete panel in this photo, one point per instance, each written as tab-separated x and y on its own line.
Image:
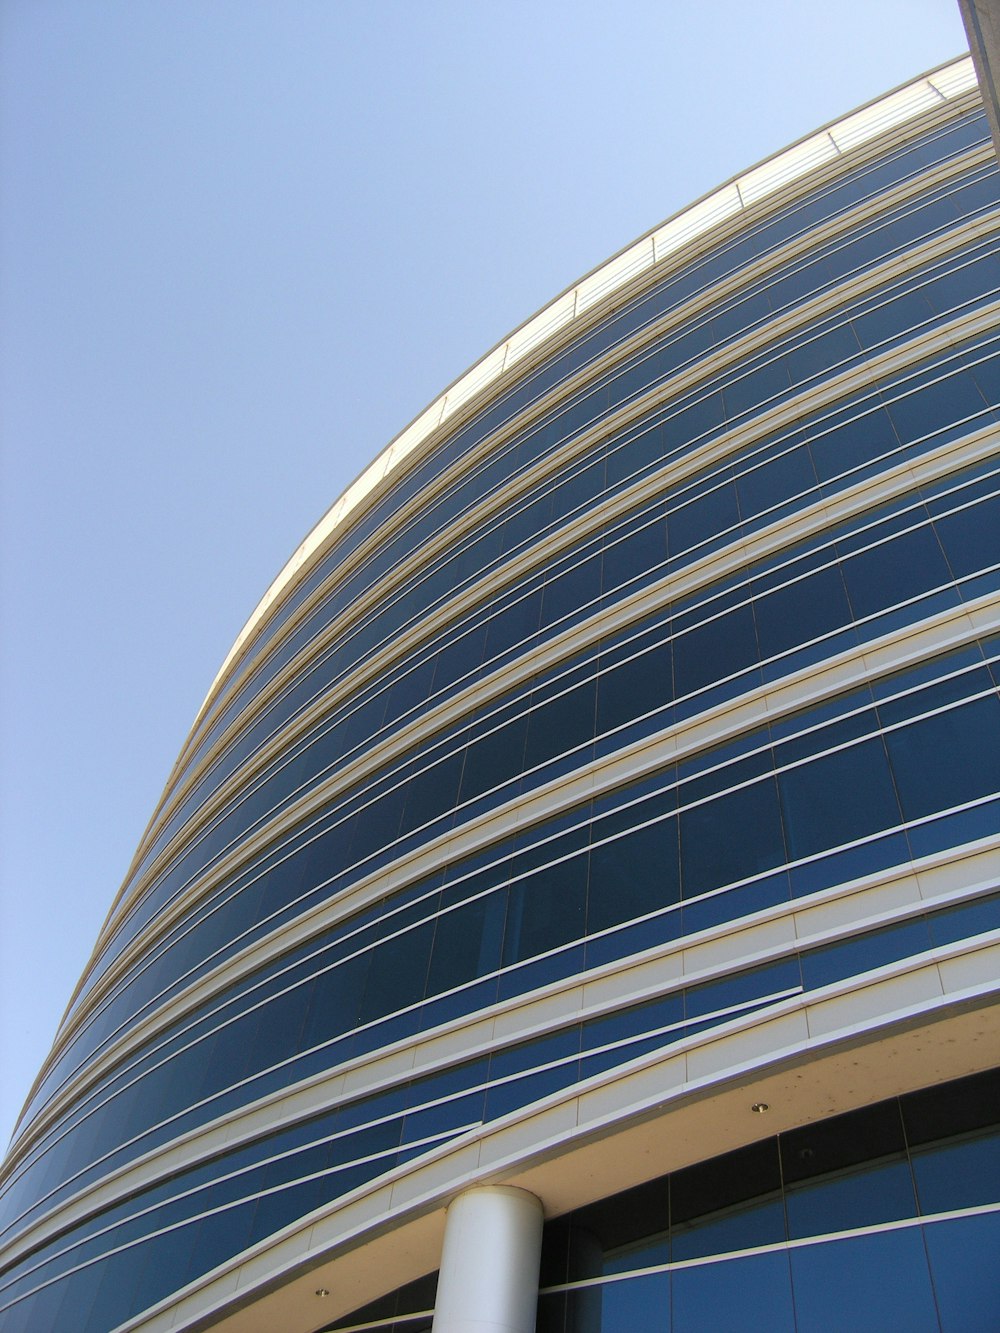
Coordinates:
224	1287
927	467
857	1009
703	732
768	936
980	866
510	1143
453	1044
351	1218
846	909
624	985
541	1013
260	1119
646	1084
753	1046
394	1066
885	656
277	1255
981	616
447	1174
842	672
316	1097
971	970
162	1322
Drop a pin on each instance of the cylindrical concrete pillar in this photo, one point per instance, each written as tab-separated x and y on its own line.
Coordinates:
489	1264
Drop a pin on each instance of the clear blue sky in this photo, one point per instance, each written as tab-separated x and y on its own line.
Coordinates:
243	243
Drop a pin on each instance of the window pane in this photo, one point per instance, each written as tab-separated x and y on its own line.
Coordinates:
963	1256
635	687
736	1229
638	1302
546	909
854	1199
714	650
800	612
948	759
873	949
854	442
835	799
958	1175
970	537
868	1284
736	1296
466	943
633	875
715	512
730	838
937	406
894	571
771	482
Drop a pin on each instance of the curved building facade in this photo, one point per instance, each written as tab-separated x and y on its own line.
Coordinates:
598	821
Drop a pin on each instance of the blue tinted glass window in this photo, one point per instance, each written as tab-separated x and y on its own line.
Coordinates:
819	353
875	948
970	538
937	406
802	611
546	909
837	798
398	973
961	1174
714	650
731	837
752	1293
635	556
466	943
715	512
851	1199
854	441
622	1307
962	1256
741	1228
895	571
560	724
972	918
947	759
884	321
775	480
638	685
633	875
844	1285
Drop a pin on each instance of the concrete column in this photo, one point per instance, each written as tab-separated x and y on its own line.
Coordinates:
489	1265
982	28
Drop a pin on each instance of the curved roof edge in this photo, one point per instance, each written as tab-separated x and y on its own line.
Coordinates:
894	108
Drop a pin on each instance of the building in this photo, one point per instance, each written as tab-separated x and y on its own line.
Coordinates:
598	817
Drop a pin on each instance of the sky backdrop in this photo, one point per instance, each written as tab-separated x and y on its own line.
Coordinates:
243	243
